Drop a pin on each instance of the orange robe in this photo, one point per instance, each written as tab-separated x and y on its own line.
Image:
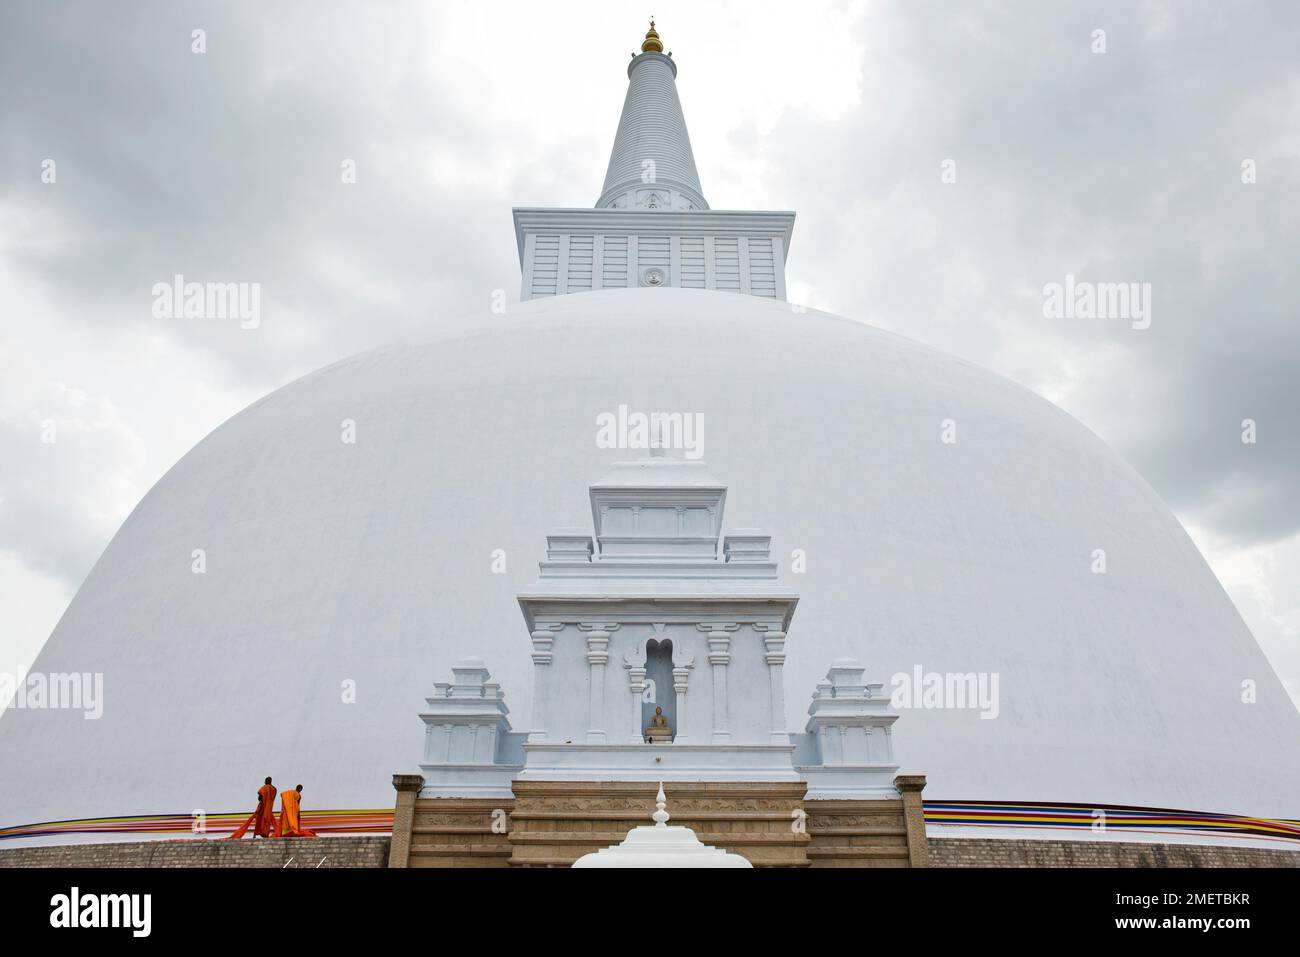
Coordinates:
262	821
265	822
290	824
243	828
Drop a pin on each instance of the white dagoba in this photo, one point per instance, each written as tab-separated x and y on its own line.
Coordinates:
343	579
659	845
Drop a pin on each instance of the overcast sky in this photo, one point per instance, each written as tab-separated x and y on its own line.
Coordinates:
1117	166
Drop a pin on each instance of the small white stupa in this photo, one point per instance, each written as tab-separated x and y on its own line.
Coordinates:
661	846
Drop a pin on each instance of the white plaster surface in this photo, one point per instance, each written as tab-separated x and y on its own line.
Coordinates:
372	562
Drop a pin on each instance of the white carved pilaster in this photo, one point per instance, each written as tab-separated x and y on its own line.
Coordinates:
774	656
634	662
597	656
682	665
543	642
719	639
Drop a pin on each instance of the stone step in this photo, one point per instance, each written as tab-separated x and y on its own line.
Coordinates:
461	850
678	814
568	862
520	838
622	827
853	850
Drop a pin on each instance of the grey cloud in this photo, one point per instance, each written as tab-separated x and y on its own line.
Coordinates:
1116	167
226	167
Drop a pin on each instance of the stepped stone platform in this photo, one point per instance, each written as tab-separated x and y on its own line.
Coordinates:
858	834
460	832
553	823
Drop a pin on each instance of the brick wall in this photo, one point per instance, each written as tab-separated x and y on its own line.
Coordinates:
373	852
291	852
984	852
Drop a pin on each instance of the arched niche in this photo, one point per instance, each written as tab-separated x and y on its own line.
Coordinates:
659	683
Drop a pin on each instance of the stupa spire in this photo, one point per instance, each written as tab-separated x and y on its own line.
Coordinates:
651	227
652	42
651	165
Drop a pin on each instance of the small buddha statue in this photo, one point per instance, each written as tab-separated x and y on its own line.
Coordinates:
658	730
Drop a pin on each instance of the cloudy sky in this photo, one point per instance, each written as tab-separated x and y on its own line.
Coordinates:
1128	165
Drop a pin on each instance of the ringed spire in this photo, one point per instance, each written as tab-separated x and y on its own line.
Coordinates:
652	165
652	43
651	225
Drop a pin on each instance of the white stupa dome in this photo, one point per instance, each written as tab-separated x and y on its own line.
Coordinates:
342	579
372	563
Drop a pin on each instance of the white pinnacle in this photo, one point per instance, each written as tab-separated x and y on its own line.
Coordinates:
652	147
661	846
660	815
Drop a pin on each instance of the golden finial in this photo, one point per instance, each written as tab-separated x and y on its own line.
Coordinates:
652	42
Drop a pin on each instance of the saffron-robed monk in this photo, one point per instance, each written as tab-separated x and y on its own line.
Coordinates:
265	823
262	820
290	823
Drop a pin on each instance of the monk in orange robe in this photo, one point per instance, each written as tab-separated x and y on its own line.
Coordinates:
290	823
263	819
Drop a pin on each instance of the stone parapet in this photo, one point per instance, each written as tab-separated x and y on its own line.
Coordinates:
365	852
996	852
